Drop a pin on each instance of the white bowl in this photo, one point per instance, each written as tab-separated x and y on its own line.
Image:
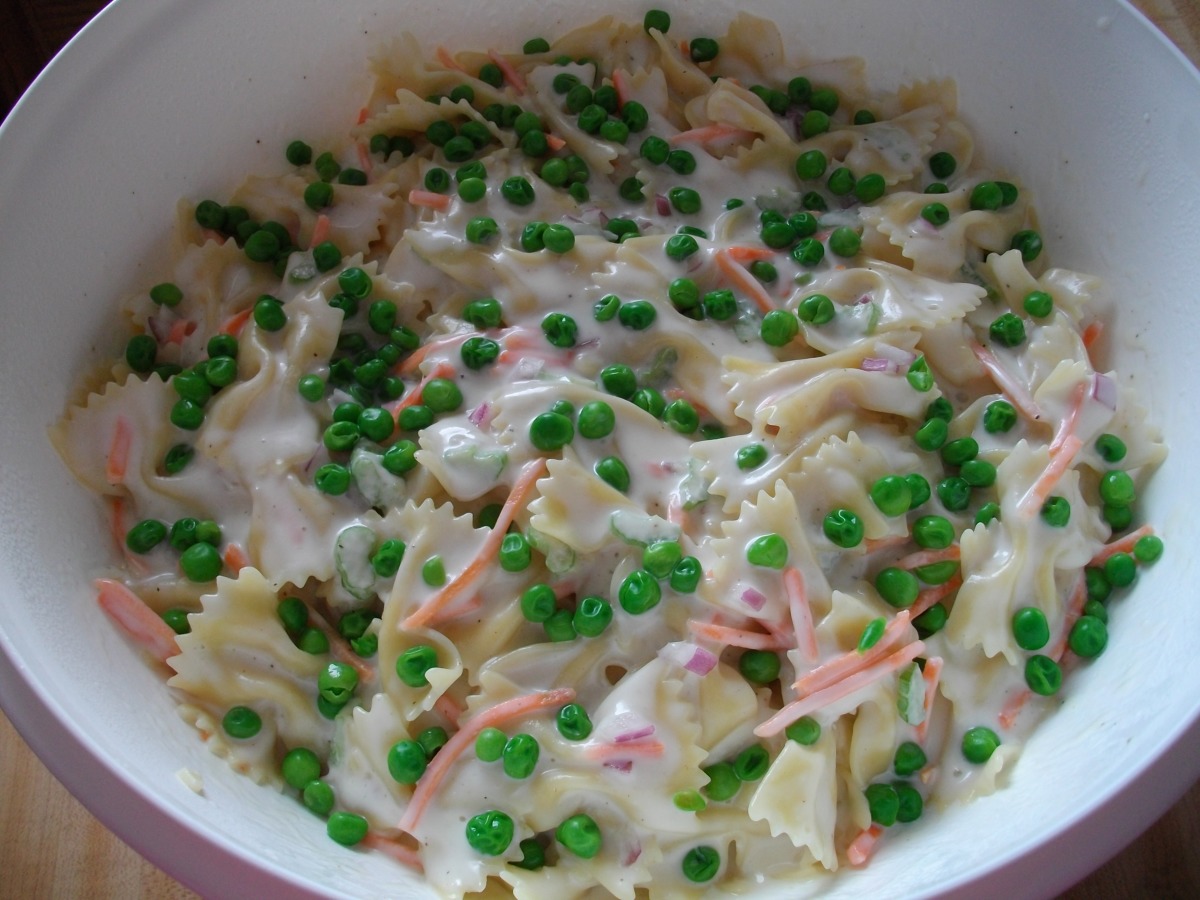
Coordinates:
159	99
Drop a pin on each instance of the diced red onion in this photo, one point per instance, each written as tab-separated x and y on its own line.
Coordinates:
865	298
877	364
1104	390
632	854
662	205
158	328
895	354
689	656
479	414
754	598
621	765
635	734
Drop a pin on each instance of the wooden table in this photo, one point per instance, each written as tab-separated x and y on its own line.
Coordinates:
51	847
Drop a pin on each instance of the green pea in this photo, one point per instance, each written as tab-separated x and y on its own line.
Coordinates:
768	550
400	457
433	571
871	634
979	743
606	308
723	783
1028	242
326	256
1120	570
958	451
685	577
551	431
805	224
336	682
637	315
481	229
811	165
813	123
639	592
479	352
177	619
1043	675
779	327
986	195
573	722
533	856
1117	488
649	400
592	616
680	246
1056	511
489	744
936	214
490	833
201	562
1088	637
515	553
413	664
141	353
805	731
1038	304
538	603
870	188
1118	517
999	416
932	435
558	238
764	271
752	763
898	587
660	557
520	756
750	457
799	90
759	666
241	723
1110	447
1030	628
560	626
682	162
406	762
580	835
340	436
843	527
808	252
892	495
300	766
689	801
703	49
317	796
931	621
681	416
1007	330
613	471
912	805
942	164
1148	549
145	535
933	532
909	759
919	376
883	802
954	493
720	305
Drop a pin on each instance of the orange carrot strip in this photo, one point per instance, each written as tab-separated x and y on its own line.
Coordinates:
933	674
621	85
895	540
428	199
1040	490
393	848
234	324
441	370
1071	422
464	738
848	663
340	649
118	451
364	156
116	523
413	361
1012	708
180	329
802	622
363	115
511	75
1070	616
555	143
449	708
611	750
743	254
1092	333
744	281
1018	395
136	619
236	558
444	57
929	557
1121	545
466	579
706	134
320	232
735	637
861	847
839	690
933	595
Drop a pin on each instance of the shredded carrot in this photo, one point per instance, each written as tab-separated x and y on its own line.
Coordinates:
136	619
848	663
412	362
1018	395
933	595
735	637
340	649
707	134
839	690
511	75
116	524
449	708
393	848
613	750
863	846
554	142
320	232
621	86
180	329
364	157
1092	333
118	451
464	738
235	323
802	622
1121	545
1071	422
929	557
744	254
444	57
933	674
363	115
895	540
1040	490
487	553
1012	708
1071	615
236	558
744	281
428	199
441	370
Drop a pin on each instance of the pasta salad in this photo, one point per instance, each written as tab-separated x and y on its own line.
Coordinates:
630	465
